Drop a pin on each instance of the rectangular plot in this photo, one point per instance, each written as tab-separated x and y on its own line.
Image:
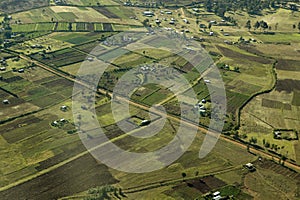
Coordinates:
107	27
47	100
45	26
296	98
275	104
23	27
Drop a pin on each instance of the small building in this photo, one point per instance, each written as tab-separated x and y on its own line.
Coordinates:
195	9
2	68
145	122
250	167
186	21
168	12
148	13
277	135
203	101
90	59
5	101
21	70
217	197
216	193
63	108
55	123
211	33
206	81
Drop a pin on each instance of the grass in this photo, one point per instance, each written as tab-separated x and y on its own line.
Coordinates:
91	2
19	28
78	38
279	38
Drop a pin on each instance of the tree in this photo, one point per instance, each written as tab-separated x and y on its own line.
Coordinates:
70	26
248	25
256	25
183	174
209	25
264	25
253	140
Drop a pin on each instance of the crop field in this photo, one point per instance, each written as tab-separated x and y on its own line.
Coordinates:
45	44
78	38
42	156
28	90
61	57
279	38
91	2
15	6
23	27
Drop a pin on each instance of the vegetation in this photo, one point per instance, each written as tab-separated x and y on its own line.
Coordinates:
254	44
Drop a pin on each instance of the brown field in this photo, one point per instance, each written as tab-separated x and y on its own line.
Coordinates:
106	13
290	65
74	177
234	54
287	85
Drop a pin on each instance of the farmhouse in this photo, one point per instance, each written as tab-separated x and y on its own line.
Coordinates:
217	195
63	108
5	101
250	167
145	122
148	13
277	135
186	21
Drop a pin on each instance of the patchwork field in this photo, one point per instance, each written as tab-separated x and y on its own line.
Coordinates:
75	14
31	90
40	148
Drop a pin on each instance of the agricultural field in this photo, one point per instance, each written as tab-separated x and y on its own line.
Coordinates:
61	57
27	90
44	46
278	109
14	5
91	2
75	14
78	37
41	44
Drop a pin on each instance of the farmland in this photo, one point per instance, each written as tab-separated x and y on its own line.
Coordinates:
43	47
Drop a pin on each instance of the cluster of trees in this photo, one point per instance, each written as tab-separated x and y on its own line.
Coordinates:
262	24
104	192
6	29
255	7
